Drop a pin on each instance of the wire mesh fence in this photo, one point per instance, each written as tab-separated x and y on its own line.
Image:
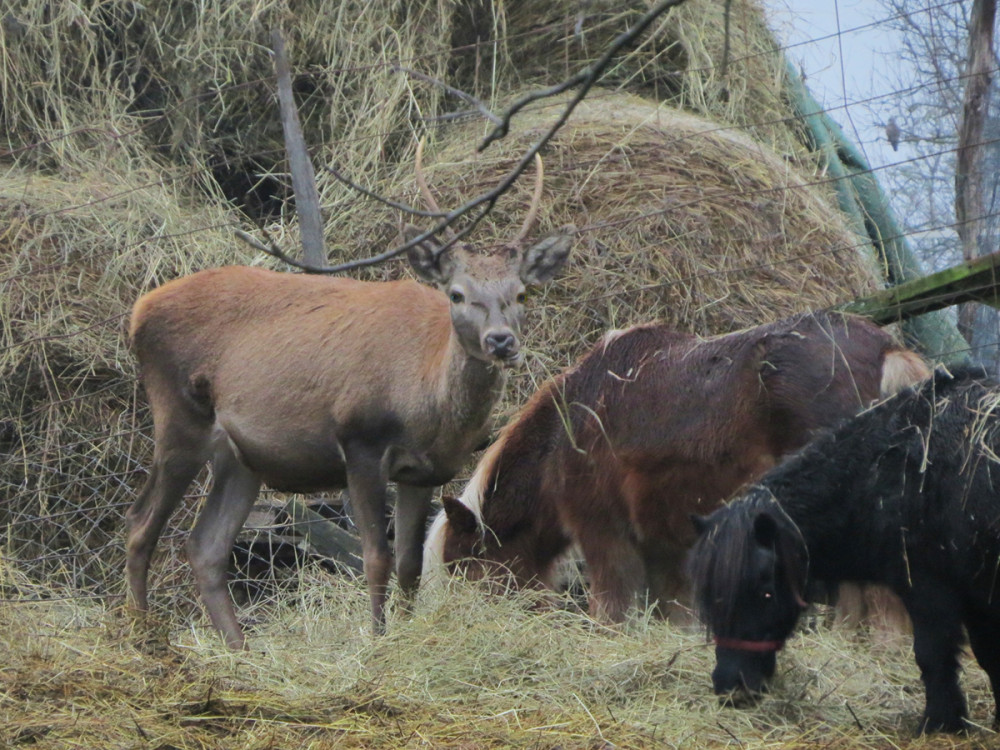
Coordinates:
97	207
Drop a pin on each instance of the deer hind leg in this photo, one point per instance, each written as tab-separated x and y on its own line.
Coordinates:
413	505
366	485
210	544
177	458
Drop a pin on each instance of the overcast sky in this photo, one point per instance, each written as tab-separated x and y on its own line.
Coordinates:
847	72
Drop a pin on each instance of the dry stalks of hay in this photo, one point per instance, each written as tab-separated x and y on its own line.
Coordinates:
467	670
73	430
679	60
679	219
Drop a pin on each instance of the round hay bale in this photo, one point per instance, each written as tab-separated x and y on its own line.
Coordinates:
679	59
195	84
679	219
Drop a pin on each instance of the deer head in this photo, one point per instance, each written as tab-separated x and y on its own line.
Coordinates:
487	291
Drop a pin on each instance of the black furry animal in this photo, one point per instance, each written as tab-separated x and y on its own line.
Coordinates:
908	495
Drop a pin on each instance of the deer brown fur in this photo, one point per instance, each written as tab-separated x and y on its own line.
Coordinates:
305	383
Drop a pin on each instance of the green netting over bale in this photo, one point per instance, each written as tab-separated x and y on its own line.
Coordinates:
679	219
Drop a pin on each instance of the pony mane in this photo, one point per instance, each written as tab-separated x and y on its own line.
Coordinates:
433	569
720	559
483	481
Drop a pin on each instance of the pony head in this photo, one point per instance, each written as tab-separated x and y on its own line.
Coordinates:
749	569
460	544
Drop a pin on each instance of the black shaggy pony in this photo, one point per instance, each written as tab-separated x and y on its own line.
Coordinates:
907	495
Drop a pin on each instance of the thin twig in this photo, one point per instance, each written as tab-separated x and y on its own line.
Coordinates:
381	199
726	729
856	719
464	96
585	79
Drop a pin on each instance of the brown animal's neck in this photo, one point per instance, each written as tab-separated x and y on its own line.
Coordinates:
515	500
465	393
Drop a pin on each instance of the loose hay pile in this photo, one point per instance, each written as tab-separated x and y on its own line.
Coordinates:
468	671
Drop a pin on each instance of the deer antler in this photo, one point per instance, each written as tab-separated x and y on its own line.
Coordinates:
425	189
536	199
422	181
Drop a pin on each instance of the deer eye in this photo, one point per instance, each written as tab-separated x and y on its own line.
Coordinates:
456	298
522	298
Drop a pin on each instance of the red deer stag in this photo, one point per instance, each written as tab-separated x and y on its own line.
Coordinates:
651	426
307	382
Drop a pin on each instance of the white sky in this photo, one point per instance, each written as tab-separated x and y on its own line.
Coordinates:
843	71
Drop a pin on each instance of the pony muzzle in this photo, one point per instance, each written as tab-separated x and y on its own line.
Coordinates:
742	669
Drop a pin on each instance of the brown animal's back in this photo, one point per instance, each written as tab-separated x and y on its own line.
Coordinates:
652	426
268	304
286	364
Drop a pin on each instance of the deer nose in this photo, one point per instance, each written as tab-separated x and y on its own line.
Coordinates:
501	344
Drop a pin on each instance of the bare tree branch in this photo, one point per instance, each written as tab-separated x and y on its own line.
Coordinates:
584	81
303	175
272	249
968	166
382	199
465	97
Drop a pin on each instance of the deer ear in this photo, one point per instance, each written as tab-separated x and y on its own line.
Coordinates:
460	518
541	262
430	263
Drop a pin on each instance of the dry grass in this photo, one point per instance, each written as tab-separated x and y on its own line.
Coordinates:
680	219
466	671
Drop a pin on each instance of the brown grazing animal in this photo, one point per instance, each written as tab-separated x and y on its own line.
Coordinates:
306	383
651	426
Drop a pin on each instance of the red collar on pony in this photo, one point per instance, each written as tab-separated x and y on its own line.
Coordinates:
756	646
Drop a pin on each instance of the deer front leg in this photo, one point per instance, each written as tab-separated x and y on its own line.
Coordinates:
412	507
366	485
